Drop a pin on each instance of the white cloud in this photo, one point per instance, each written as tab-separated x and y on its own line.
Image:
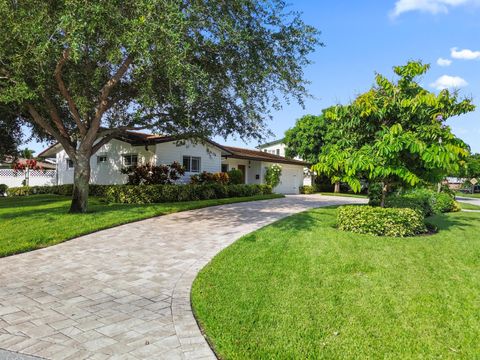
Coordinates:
428	6
444	62
465	54
449	82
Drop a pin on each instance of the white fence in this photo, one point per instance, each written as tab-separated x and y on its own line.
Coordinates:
14	178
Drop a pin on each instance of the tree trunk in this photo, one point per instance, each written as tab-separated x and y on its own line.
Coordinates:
337	187
81	179
384	194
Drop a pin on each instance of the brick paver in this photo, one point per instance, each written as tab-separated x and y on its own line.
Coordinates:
124	293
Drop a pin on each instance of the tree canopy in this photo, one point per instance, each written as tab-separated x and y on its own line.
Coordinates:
10	133
83	72
306	138
395	133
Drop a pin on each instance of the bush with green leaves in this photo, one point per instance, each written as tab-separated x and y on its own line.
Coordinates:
146	194
380	221
3	189
210	178
235	176
374	194
272	175
427	202
307	189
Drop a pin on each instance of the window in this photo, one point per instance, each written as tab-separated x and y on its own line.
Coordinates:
69	164
130	159
224	167
191	163
278	151
101	159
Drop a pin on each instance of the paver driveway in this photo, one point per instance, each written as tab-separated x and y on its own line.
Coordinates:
125	292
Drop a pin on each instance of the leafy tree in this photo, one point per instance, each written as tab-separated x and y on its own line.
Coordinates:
27	153
10	133
395	133
471	168
306	138
83	72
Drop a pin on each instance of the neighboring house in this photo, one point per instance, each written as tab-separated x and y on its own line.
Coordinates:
139	148
455	183
278	147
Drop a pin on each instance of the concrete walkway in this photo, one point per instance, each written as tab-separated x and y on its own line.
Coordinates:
124	293
468	200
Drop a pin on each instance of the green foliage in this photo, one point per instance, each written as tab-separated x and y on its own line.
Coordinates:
394	134
374	194
306	138
235	176
380	221
3	189
471	167
210	178
425	201
147	194
272	175
150	174
307	189
10	132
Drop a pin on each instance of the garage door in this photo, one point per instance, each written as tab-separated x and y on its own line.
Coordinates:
290	180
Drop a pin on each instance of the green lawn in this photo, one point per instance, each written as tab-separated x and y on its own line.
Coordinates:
37	221
468	206
300	289
345	194
476	195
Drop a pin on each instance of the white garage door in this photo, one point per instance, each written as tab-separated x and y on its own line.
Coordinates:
290	180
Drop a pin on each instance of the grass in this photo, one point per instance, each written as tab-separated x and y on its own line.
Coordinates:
363	196
37	221
301	289
475	196
467	206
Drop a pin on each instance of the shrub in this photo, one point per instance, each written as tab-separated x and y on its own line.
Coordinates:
145	194
272	175
428	202
374	194
210	178
150	174
380	221
3	189
307	189
235	177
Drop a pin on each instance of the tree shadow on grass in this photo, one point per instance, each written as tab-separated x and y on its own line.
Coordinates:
447	221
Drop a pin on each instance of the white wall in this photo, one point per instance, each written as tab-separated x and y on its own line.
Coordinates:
107	173
290	180
13	178
252	169
210	156
274	148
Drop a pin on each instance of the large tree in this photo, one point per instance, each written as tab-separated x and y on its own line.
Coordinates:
395	133
306	138
83	72
10	133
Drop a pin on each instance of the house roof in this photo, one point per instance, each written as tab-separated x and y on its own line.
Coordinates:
139	139
135	139
248	154
271	143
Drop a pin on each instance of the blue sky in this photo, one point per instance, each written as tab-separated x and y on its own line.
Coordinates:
364	37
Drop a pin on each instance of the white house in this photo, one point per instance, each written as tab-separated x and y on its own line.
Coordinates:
139	148
279	148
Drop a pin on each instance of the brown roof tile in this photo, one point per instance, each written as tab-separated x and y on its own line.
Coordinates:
241	153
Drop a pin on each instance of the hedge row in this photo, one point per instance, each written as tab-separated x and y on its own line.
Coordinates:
146	194
380	221
427	202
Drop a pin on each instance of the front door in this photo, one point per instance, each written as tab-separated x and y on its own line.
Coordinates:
243	170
